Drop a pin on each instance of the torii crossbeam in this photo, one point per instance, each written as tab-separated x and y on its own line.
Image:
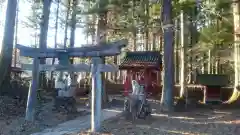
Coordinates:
108	49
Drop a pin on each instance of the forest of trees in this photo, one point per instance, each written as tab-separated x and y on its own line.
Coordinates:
194	35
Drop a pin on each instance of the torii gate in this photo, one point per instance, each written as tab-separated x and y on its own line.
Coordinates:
95	52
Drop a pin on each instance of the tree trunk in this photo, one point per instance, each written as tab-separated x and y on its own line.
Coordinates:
161	41
65	33
202	66
43	38
236	16
193	38
217	65
66	24
183	59
154	35
167	94
177	35
44	25
134	40
7	43
209	61
36	37
101	38
56	33
134	32
115	61
146	26
73	29
16	36
73	24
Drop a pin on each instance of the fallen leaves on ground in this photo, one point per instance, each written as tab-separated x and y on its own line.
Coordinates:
12	117
212	122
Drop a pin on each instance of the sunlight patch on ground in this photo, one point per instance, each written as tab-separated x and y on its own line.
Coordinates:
184	118
183	132
221	112
179	132
196	122
83	98
213	122
228	122
173	117
215	117
112	110
154	101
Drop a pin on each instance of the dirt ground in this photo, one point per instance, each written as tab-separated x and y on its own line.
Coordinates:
12	117
202	122
194	122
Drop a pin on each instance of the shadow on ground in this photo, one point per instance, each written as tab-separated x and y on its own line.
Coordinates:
197	121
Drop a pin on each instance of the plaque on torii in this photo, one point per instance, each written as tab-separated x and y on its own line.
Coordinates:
96	67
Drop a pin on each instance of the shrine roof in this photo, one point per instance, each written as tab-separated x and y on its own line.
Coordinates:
141	60
206	79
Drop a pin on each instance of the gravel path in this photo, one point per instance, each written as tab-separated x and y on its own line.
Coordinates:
208	122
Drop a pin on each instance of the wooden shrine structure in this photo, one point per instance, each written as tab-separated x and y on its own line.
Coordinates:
96	52
143	66
212	84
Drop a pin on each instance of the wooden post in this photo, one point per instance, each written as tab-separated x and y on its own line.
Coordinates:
32	93
96	95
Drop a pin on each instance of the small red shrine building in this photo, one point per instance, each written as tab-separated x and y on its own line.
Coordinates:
213	84
143	66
